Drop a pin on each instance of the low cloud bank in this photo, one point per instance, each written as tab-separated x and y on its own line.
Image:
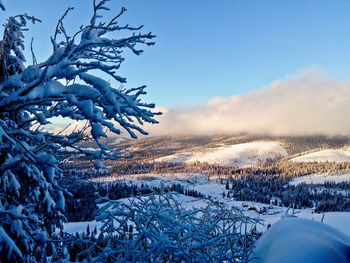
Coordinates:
307	104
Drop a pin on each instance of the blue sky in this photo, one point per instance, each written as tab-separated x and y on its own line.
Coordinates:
206	49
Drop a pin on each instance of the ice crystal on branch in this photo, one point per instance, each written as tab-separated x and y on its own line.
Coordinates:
65	85
156	228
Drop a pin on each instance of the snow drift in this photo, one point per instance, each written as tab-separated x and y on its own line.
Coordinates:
296	240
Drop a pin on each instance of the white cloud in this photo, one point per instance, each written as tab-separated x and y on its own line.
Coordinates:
306	104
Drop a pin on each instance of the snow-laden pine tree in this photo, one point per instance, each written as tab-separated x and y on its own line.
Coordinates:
68	84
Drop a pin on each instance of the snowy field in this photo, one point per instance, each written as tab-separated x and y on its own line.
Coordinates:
330	155
321	179
117	140
213	188
237	155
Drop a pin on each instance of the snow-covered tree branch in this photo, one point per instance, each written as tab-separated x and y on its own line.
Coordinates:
156	228
68	84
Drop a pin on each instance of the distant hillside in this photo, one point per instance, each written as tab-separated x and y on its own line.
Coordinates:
230	151
237	155
299	144
330	155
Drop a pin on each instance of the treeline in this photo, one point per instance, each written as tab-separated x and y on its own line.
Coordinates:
121	168
323	197
82	204
291	169
283	168
262	184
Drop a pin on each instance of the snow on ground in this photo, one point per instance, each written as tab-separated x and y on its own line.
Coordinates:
155	179
338	220
89	149
73	227
213	188
330	155
118	140
237	155
321	179
296	240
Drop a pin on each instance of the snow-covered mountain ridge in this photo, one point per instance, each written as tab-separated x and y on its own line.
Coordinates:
237	155
236	151
330	155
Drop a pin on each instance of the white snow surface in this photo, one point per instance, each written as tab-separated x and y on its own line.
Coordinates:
237	155
321	179
330	155
118	140
296	240
198	182
80	227
290	240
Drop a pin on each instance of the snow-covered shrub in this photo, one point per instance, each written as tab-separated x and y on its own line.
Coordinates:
33	95
297	240
156	228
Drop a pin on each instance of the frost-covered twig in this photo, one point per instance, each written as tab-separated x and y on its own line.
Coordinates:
156	228
64	85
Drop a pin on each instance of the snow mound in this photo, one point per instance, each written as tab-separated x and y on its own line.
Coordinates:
330	155
296	240
237	155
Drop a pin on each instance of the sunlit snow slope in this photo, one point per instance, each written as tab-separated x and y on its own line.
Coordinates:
321	179
330	155
238	155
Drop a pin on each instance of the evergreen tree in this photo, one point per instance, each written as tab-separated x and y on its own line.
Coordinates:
32	202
